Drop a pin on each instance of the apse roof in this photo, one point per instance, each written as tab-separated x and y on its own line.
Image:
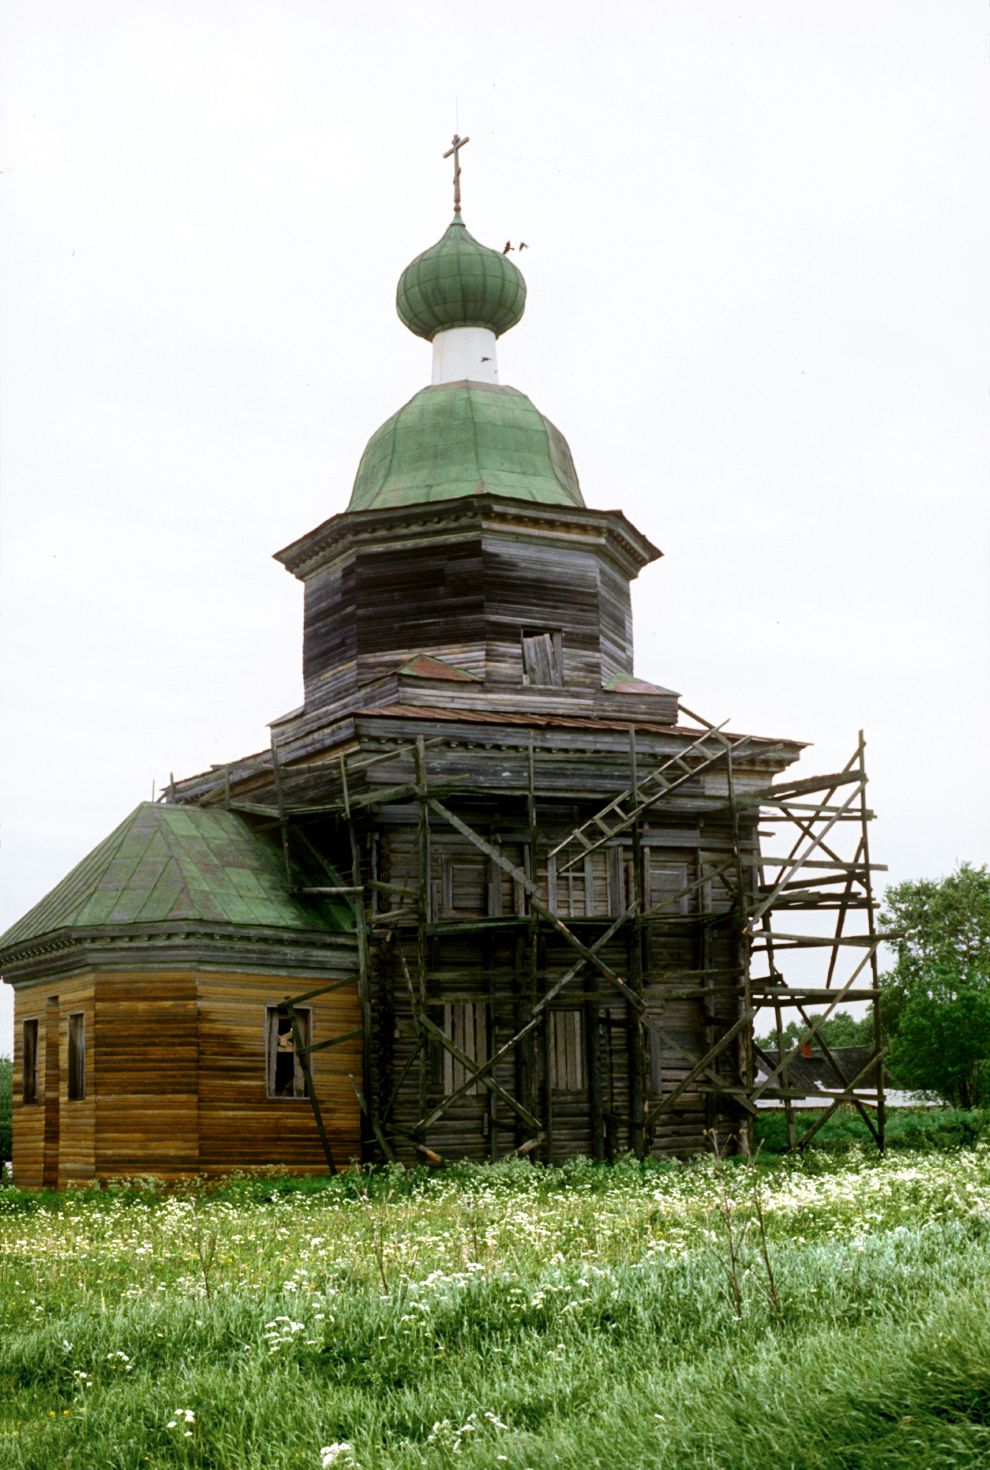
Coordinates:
177	864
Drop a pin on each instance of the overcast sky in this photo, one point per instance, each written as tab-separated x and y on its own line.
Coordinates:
758	310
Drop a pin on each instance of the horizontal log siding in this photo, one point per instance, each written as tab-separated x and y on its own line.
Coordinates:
145	1063
329	633
615	621
239	1125
421	599
541	587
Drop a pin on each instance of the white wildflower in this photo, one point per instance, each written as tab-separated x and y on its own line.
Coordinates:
341	1452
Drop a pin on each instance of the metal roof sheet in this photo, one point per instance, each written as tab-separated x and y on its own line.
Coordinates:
177	863
465	438
458	282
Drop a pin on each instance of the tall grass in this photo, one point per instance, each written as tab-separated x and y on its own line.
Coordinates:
506	1317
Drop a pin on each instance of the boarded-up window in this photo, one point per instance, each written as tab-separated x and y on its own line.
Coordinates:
29	1061
567	1069
543	657
77	1056
466	1024
461	886
667	884
716	894
284	1073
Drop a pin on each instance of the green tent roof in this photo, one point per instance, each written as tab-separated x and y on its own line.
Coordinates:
465	438
459	282
177	863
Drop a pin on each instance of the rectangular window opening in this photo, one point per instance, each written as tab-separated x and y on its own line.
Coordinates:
284	1072
466	1024
29	1061
543	656
77	1056
567	1058
461	885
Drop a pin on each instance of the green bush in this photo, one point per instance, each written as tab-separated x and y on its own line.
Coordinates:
915	1128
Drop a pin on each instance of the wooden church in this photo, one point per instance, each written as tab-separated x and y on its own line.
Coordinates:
487	892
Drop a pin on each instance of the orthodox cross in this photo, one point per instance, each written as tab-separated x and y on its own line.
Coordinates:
456	144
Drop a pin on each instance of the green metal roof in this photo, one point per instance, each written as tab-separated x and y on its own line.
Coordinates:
177	863
465	438
460	283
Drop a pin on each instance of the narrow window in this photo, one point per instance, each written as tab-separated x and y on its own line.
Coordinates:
283	1067
615	879
543	657
77	1056
29	1061
466	1024
567	1072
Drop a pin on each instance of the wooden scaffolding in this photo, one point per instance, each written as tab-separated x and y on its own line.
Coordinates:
793	929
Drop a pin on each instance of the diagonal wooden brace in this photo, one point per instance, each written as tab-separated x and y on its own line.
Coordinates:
536	902
534	1020
875	1061
818	1021
486	1081
702	1065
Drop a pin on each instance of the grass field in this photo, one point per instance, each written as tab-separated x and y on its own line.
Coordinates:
825	1312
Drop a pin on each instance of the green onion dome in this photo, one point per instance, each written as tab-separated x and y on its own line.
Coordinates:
459	283
465	438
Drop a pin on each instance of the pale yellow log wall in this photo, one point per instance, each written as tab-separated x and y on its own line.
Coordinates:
176	1079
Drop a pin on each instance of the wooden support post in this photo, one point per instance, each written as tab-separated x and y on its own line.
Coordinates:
743	944
307	1071
703	947
422	907
786	1078
491	1040
372	1122
878	1045
404	1073
638	1059
546	1040
368	1091
593	1062
532	971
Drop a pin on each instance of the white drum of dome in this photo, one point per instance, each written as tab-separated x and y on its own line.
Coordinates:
464	352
